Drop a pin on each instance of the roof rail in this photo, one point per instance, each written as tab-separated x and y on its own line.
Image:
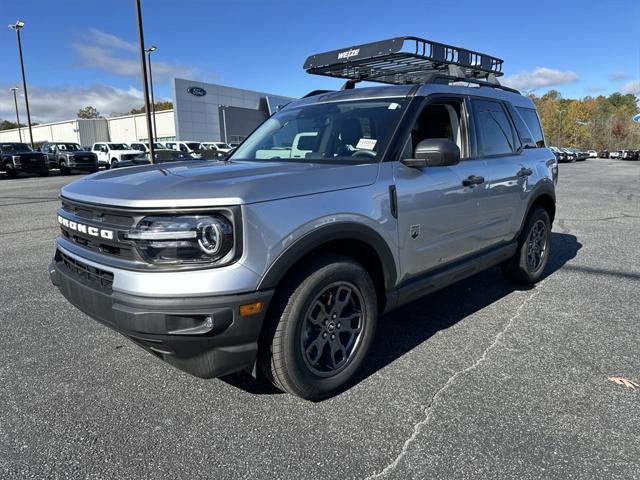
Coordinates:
407	60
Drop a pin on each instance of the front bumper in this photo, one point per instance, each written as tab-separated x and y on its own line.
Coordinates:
220	340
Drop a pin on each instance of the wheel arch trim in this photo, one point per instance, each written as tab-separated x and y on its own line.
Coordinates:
316	238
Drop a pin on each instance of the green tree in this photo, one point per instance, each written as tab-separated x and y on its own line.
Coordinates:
158	107
88	112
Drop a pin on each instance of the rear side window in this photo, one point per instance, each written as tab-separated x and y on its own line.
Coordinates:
495	133
530	117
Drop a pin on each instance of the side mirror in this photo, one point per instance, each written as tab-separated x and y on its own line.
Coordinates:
434	152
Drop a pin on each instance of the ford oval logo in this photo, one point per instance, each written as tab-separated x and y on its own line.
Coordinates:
197	91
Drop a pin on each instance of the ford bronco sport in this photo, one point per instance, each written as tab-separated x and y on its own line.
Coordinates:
280	264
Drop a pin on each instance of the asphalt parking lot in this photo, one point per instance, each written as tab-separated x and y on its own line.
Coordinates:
479	380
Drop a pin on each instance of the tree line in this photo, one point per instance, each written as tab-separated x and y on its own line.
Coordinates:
598	123
91	112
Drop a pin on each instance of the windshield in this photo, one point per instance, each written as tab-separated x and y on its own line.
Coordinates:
351	131
222	145
118	146
194	145
70	147
15	147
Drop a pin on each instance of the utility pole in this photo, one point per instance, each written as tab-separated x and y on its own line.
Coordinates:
17	27
15	100
145	85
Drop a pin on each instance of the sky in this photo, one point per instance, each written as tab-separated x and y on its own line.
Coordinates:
81	53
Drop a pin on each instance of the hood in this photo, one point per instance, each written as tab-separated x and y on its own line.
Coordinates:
205	184
79	152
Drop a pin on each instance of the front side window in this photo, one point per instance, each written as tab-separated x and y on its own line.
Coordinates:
351	131
496	136
440	120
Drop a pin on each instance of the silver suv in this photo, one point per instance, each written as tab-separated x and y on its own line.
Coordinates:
279	260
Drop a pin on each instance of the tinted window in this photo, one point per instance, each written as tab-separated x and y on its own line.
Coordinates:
45	148
530	117
15	147
495	134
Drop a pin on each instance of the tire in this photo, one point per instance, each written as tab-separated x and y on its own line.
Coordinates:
63	168
10	171
319	328
114	161
534	245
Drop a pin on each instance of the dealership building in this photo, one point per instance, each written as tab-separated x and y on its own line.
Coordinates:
201	112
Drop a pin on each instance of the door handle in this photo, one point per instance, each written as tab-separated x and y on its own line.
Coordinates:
472	180
524	172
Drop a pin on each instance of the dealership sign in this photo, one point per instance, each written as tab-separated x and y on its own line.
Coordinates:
636	118
197	91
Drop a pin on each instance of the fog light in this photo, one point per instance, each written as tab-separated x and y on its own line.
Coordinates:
251	309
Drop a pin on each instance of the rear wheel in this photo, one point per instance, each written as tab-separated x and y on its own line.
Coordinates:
532	255
320	328
114	162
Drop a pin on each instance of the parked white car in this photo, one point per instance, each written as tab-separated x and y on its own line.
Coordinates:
614	155
222	147
192	148
109	153
592	154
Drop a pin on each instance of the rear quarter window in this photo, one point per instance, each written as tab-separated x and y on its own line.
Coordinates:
530	117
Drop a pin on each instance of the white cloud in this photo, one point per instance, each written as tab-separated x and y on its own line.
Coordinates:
53	104
112	54
631	87
539	78
618	76
105	39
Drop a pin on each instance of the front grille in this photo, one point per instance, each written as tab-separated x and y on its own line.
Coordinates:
105	219
129	156
100	279
93	214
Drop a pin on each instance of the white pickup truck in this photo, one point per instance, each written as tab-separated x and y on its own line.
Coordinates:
110	153
302	144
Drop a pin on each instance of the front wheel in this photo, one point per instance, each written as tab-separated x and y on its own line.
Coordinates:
528	263
320	328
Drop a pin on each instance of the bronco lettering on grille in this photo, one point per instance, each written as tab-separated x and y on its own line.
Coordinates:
82	228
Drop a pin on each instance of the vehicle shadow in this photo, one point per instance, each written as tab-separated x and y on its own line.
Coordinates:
401	330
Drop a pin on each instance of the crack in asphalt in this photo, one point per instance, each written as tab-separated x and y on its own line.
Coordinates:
429	408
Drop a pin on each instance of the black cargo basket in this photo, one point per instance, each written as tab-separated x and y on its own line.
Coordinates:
405	60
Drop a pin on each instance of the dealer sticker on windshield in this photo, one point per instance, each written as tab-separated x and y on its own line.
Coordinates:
366	144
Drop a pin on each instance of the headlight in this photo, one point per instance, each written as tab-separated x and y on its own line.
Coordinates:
184	239
16	160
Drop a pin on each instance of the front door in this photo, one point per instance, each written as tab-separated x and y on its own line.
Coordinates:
439	208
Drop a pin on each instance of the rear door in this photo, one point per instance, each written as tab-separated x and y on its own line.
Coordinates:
500	148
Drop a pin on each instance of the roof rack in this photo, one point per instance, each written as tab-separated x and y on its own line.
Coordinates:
407	60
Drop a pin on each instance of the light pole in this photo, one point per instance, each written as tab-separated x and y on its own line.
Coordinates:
17	26
15	100
145	85
152	48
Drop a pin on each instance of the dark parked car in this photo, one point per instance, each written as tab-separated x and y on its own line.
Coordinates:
161	156
603	154
69	157
16	158
561	156
629	155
